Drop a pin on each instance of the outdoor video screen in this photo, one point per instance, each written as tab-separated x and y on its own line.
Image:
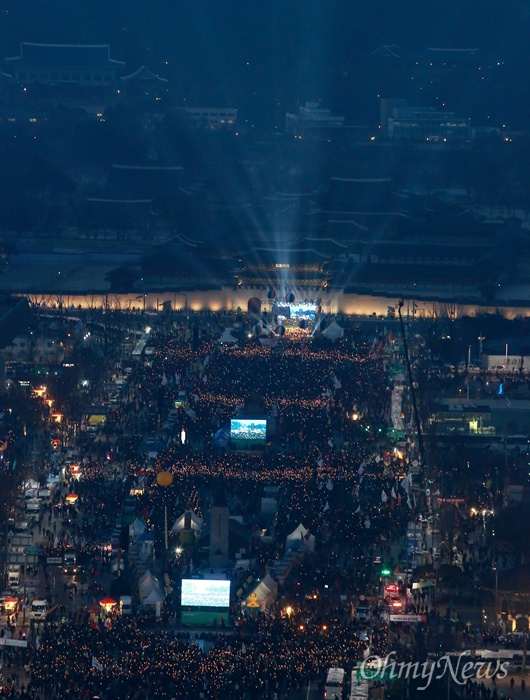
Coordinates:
296	312
248	432
199	593
300	311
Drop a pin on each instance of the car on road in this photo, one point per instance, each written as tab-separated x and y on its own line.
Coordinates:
395	603
362	610
463	367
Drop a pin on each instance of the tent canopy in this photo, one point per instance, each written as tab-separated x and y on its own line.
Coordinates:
221	437
150	590
265	592
188	520
300	538
137	528
333	331
145	537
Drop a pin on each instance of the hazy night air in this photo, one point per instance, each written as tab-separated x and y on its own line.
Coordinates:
264	349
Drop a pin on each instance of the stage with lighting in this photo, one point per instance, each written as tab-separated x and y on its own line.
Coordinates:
295	318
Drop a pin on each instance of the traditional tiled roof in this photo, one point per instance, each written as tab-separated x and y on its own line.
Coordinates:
65	55
389	51
143	73
443	53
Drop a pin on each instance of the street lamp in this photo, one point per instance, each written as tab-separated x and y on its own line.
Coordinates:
481	339
467	378
496	569
164	479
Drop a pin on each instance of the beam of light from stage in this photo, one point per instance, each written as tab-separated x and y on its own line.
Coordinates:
320	318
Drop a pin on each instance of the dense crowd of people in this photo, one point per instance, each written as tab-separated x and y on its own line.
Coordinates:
259	658
328	457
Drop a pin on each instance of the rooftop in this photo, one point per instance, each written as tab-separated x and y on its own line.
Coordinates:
143	73
65	55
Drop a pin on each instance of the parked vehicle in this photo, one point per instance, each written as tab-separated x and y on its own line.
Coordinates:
362	610
13	576
39	609
70	565
33	506
334	684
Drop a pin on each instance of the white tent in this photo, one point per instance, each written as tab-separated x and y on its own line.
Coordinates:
146	547
150	590
333	331
265	593
227	337
188	520
137	528
300	539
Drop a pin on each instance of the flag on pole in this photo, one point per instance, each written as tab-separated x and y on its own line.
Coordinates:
384	497
336	382
326	507
97	665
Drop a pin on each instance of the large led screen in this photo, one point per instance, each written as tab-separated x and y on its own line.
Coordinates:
199	593
248	433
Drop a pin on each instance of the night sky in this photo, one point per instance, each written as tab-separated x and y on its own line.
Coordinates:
268	57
